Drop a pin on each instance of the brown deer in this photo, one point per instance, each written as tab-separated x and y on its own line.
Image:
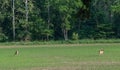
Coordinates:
16	52
101	52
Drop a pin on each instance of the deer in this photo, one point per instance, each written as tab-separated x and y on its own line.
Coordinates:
16	52
101	51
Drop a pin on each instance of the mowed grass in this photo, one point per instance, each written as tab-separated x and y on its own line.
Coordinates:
65	57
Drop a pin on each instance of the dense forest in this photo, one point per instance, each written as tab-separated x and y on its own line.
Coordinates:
23	20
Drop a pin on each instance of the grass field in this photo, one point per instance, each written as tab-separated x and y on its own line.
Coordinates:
60	57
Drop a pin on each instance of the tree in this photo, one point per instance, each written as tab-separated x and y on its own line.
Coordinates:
116	10
66	10
5	18
59	19
13	22
116	6
23	9
3	37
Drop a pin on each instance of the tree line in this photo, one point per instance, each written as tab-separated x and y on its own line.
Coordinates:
23	20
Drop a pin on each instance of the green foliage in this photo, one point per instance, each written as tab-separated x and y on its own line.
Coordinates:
47	32
3	38
75	36
24	35
58	19
52	42
116	7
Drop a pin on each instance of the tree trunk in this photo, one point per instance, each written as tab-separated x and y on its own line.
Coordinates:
48	26
65	34
13	22
26	7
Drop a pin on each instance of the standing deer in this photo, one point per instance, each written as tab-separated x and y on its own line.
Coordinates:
101	51
16	52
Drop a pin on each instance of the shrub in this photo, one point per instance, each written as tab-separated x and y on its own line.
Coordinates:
75	36
3	37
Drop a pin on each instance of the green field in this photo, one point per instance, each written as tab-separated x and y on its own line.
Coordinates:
60	57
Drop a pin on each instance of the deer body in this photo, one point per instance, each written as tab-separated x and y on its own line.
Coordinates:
101	52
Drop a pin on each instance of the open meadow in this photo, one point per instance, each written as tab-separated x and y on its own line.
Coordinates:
60	57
